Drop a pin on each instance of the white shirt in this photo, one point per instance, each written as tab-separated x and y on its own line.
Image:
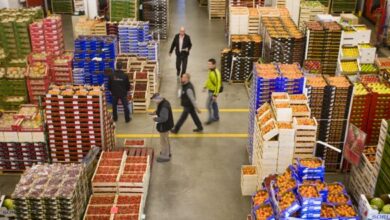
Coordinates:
181	39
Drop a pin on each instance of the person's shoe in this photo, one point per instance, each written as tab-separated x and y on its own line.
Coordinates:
197	130
170	155
174	131
215	120
115	119
162	159
129	120
209	122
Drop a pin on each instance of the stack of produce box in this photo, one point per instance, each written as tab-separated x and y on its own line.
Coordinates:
95	54
13	90
360	109
78	76
38	81
382	159
315	86
112	28
283	42
38	195
134	38
77	119
85	26
238	20
79	7
156	12
62	6
128	206
216	8
54	37
246	49
301	192
364	176
14	30
141	93
249	179
254	20
120	173
337	101
342	6
22	139
120	9
226	63
37	37
61	69
380	99
309	11
323	37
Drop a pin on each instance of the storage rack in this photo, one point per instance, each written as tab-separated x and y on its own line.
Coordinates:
157	13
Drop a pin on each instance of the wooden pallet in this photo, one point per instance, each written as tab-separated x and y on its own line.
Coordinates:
216	9
11	172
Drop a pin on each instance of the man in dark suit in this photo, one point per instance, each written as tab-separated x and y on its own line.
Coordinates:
119	85
182	45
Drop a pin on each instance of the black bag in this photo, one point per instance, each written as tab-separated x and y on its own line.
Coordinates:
216	76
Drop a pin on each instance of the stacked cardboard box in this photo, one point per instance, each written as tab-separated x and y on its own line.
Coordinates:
77	119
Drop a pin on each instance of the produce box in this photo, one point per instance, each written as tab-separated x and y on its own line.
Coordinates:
367	212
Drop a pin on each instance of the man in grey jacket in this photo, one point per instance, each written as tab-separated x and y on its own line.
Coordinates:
188	101
164	122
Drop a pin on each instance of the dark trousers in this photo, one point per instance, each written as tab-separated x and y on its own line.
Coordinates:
184	115
125	103
181	63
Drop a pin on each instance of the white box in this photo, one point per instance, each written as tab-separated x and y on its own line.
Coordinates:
38	137
25	137
272	133
324	17
11	136
2	137
283	114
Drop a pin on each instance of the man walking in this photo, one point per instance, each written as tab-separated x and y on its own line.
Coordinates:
182	46
119	85
164	119
188	101
213	86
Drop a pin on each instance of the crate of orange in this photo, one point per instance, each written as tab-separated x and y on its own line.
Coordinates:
248	180
311	166
260	197
346	212
287	204
263	212
328	212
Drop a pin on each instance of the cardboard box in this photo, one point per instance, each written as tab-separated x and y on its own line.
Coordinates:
368	213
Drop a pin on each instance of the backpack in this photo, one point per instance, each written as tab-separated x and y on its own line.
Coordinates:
216	76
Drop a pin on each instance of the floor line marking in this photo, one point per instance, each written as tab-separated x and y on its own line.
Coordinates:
194	135
226	110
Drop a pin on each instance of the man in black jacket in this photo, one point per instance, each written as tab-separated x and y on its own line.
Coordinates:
119	85
164	119
188	101
182	45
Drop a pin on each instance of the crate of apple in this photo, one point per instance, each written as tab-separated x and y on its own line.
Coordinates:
312	66
368	68
134	143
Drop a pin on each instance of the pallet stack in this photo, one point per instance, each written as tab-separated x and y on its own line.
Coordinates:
13	89
120	9
305	137
157	13
15	39
68	201
112	28
47	36
238	20
72	132
38	81
342	6
323	37
95	54
380	100
360	109
382	159
62	6
309	11
246	49
61	69
315	86
216	8
254	20
85	26
286	43
334	121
